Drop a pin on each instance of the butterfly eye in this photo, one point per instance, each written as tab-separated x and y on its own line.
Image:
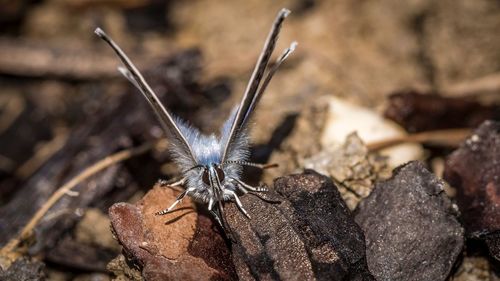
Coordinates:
205	177
220	174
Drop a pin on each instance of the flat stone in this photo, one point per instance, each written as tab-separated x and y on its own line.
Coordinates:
310	235
411	227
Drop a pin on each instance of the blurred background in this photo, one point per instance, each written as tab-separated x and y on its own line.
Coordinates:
64	106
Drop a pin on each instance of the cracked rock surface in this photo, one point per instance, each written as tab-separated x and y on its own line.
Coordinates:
411	227
352	167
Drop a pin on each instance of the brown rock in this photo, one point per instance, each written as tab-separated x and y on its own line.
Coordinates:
474	171
310	235
352	167
418	112
170	247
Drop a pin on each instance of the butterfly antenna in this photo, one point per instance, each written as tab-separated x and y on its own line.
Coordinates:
250	164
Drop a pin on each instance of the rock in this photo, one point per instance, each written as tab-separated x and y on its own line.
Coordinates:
345	118
411	227
178	246
310	235
76	256
418	112
24	269
119	266
473	269
474	170
295	147
348	163
493	243
94	229
352	167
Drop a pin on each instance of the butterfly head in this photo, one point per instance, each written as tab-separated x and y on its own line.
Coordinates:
213	175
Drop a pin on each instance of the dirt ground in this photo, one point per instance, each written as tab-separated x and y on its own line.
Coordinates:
57	77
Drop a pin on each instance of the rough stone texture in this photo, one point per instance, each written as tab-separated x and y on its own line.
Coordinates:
474	170
411	227
473	269
493	243
310	235
24	269
119	266
352	167
170	247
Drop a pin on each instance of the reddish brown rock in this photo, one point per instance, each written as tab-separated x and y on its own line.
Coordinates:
418	112
474	170
176	246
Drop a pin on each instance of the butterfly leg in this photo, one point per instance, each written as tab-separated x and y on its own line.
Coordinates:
246	187
173	183
238	202
177	201
218	214
226	231
217	219
210	204
257	191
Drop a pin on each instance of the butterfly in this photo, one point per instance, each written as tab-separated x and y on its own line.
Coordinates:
212	165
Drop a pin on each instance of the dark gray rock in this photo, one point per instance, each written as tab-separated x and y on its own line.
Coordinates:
474	170
310	235
493	243
411	227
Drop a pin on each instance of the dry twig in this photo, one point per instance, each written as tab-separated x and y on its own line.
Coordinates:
8	252
41	155
451	137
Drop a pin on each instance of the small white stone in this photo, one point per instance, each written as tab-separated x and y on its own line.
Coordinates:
345	118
